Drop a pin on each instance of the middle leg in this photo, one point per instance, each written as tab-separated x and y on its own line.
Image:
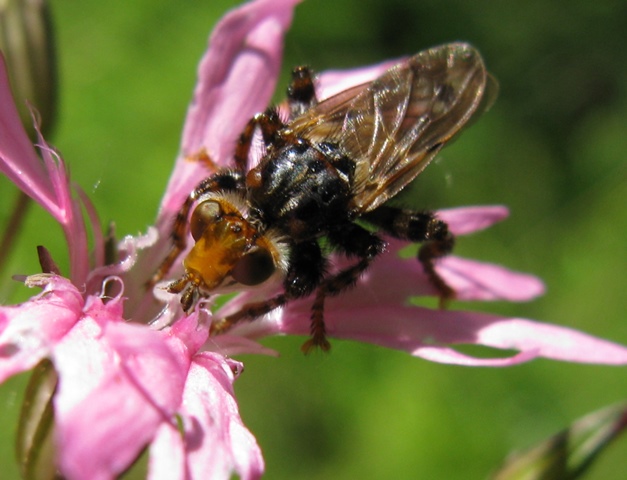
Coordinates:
226	180
352	240
307	267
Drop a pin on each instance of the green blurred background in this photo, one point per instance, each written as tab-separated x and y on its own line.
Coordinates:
552	149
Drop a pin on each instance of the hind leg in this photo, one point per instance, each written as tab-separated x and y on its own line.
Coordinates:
437	241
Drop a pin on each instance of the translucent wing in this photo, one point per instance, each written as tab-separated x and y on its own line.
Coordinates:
395	125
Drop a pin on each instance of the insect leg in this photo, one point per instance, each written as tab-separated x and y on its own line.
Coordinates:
437	240
248	312
226	180
269	123
301	93
307	268
352	240
306	271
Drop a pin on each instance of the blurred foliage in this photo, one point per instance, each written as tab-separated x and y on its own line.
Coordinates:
568	454
551	149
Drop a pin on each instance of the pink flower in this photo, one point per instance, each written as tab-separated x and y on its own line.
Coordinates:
124	383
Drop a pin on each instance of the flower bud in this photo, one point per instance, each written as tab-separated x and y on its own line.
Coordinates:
27	45
569	453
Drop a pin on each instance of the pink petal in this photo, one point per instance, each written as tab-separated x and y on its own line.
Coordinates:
551	341
167	455
473	280
30	331
47	183
465	220
332	82
118	383
98	238
237	78
450	356
426	333
134	268
18	159
216	443
189	332
392	280
237	345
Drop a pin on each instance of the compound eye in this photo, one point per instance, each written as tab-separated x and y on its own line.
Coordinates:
253	268
205	213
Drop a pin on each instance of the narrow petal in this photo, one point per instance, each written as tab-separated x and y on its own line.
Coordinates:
109	405
473	280
94	219
45	181
550	341
29	332
450	356
217	444
332	82
76	235
393	280
134	275
237	345
236	79
18	159
428	333
68	212
466	220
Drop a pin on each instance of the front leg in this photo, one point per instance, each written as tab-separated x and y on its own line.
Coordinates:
307	267
301	96
437	240
269	124
248	312
225	180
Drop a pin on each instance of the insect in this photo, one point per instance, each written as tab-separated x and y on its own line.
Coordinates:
331	164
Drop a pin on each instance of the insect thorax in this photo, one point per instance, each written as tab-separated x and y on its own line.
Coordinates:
302	189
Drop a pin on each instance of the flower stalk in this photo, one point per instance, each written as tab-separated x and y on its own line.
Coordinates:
35	435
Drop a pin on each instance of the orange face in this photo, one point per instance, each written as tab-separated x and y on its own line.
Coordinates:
228	251
222	240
